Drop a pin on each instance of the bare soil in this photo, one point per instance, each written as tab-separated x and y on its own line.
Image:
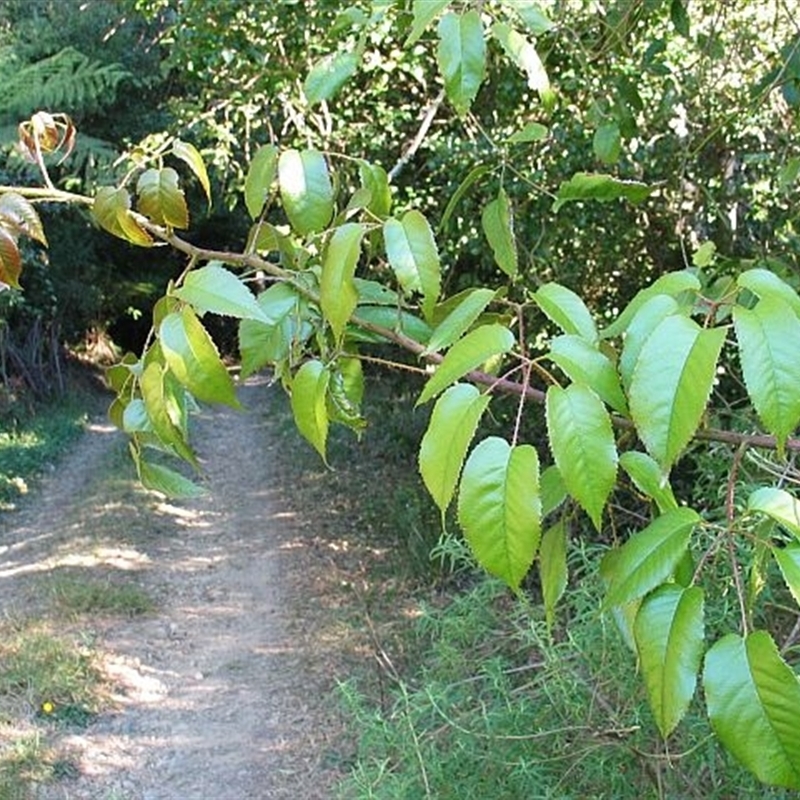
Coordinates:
225	691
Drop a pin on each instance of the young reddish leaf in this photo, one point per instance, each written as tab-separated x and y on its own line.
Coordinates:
190	156
161	198
444	446
309	406
553	568
18	213
328	75
583	446
259	179
649	478
306	190
460	319
462	57
788	559
499	509
111	209
566	309
769	341
649	557
411	250
498	226
214	288
584	363
338	294
476	348
671	384
10	260
779	505
193	359
669	640
752	696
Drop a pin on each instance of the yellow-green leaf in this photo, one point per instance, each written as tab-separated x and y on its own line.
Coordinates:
190	156
309	406
259	179
338	293
306	190
161	198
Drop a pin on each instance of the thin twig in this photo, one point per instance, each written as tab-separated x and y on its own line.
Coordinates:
416	143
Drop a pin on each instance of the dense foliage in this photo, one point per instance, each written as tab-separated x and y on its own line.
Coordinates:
589	211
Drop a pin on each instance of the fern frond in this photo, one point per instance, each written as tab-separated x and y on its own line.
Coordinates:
67	82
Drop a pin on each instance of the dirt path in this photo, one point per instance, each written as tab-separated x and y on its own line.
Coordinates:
224	692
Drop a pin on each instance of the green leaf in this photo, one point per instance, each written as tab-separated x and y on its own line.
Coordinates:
459	320
566	309
583	446
532	14
165	480
472	177
10	260
603	188
532	132
769	343
673	284
375	294
669	640
214	288
498	226
552	489
306	190
259	179
524	55
607	143
193	358
338	293
585	364
111	210
161	198
777	504
374	179
462	57
705	254
425	11
499	510
767	285
190	156
671	384
477	347
649	557
649	479
752	697
19	214
553	568
412	254
328	75
788	559
391	318
679	17
309	390
135	418
444	446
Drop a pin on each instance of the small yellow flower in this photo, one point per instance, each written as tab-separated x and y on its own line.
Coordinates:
48	707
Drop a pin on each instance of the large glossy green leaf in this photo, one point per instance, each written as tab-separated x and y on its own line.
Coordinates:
306	190
769	344
193	358
425	11
10	260
111	209
566	309
163	479
649	478
498	508
788	559
523	53
649	557
260	176
444	446
190	156
767	285
582	443
337	289
412	253
674	284
309	406
778	504
462	57
498	226
669	640
216	289
584	363
671	384
460	319
602	188
329	74
553	568
753	697
161	198
477	347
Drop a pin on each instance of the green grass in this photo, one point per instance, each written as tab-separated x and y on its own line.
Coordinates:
72	594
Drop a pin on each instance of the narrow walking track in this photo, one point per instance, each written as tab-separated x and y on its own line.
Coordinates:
223	693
